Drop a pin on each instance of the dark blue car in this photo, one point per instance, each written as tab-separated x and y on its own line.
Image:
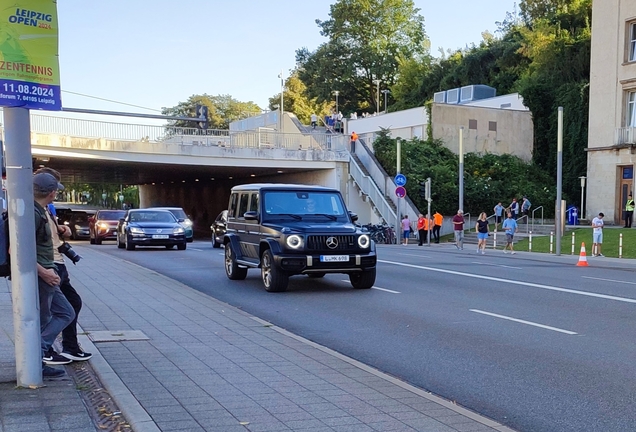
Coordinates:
150	227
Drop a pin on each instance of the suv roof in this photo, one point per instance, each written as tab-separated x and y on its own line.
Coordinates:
260	186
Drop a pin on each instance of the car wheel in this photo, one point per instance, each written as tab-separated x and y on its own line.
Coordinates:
362	280
215	244
129	245
91	238
274	278
169	246
182	246
316	275
98	241
232	269
120	245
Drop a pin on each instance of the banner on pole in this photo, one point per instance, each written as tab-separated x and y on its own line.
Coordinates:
29	67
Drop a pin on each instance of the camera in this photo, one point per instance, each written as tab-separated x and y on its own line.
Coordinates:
69	253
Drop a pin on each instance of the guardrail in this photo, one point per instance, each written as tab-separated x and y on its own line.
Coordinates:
533	211
368	186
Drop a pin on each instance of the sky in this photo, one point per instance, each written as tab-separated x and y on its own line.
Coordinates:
155	54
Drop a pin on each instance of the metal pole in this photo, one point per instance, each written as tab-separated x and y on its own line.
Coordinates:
428	233
399	168
282	109
558	218
620	245
461	168
377	96
26	317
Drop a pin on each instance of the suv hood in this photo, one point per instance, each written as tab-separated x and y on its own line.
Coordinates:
313	227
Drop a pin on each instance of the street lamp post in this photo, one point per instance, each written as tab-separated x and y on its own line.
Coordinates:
281	111
386	92
336	92
461	168
583	179
377	95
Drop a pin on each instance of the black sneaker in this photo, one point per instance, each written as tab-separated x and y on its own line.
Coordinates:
49	372
78	355
53	358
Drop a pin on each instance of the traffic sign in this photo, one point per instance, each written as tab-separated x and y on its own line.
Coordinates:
400	192
400	179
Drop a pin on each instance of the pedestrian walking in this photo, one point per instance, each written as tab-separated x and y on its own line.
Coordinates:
314	121
458	229
525	206
629	211
510	228
421	227
499	212
438	219
406	229
597	235
483	231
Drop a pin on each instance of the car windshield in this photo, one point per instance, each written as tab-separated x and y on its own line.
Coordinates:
179	213
111	215
80	217
148	216
305	203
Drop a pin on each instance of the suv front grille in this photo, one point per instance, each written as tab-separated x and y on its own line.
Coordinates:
319	242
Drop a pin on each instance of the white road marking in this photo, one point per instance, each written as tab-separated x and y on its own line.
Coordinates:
514	282
524	322
496	265
198	250
415	255
609	280
378	288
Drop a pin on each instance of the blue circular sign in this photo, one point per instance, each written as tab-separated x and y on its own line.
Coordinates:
400	179
400	192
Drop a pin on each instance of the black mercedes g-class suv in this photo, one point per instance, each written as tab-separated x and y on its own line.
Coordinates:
288	230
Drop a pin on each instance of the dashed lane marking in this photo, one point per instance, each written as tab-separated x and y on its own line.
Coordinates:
378	288
496	265
530	323
609	280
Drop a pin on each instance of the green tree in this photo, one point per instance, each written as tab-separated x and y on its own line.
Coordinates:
365	40
297	101
222	110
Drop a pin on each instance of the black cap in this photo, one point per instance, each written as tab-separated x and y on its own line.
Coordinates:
45	182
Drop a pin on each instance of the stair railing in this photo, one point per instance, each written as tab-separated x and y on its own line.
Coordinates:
533	211
368	187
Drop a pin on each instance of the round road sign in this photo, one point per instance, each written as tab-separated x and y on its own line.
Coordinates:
400	191
400	179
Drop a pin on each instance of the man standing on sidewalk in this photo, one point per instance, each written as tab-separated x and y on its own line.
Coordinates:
438	219
499	211
629	211
597	234
458	229
55	311
510	227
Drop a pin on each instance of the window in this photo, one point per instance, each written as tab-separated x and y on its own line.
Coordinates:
632	42
254	202
472	124
243	204
630	121
492	126
233	205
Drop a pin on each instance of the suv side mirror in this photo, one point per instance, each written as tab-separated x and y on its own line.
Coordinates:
251	215
353	216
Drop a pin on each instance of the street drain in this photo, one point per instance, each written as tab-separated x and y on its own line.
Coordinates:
101	407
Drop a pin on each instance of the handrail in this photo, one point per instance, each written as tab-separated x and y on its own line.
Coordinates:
469	224
538	208
527	222
368	186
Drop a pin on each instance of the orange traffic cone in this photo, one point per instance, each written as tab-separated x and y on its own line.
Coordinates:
582	257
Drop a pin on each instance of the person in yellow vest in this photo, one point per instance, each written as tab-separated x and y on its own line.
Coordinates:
629	211
437	225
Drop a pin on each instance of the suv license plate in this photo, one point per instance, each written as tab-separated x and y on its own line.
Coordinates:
334	258
160	236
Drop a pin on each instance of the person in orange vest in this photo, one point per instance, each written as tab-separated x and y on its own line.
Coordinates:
354	138
423	225
437	225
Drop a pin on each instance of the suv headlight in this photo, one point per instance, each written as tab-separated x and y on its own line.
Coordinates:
364	241
294	241
134	230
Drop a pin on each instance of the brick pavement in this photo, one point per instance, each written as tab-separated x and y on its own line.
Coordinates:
208	366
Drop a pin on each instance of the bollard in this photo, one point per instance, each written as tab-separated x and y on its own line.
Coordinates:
572	243
551	241
530	241
494	241
620	245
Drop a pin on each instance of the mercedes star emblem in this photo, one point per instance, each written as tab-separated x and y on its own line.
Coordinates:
332	242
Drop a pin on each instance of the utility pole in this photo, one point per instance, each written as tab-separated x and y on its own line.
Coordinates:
336	92
282	110
24	283
559	218
386	92
461	168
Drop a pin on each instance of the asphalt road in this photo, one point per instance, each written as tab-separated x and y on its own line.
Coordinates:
536	345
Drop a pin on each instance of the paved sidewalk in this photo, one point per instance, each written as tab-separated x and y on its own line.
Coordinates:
207	366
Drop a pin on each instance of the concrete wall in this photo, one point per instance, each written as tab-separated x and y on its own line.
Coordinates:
611	76
500	102
514	135
402	124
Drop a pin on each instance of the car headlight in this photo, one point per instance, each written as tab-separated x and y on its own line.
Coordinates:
77	227
187	223
294	241
364	241
102	225
134	230
178	231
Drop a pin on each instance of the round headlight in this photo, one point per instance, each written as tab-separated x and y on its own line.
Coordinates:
364	241
294	241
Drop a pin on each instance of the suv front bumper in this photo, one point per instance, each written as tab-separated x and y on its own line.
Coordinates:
302	264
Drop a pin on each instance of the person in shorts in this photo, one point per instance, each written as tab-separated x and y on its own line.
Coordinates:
510	227
406	229
483	231
597	235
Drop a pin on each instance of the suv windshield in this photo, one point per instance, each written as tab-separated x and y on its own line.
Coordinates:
179	213
286	203
111	215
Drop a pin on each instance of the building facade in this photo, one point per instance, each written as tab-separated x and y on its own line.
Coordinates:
612	124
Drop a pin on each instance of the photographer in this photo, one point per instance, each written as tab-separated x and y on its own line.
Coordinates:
71	349
55	310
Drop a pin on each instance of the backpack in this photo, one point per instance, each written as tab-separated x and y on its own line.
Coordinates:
5	258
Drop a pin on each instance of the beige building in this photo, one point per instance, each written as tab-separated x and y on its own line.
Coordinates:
612	125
